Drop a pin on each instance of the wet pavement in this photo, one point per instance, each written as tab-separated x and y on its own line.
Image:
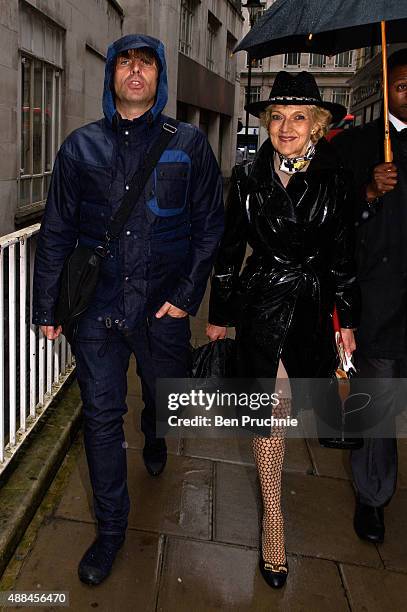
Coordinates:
192	543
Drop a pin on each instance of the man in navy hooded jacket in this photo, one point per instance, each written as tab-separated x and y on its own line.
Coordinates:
154	276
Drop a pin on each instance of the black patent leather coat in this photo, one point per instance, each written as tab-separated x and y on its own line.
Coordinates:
301	264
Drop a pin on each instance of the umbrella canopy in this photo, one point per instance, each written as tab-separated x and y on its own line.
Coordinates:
335	25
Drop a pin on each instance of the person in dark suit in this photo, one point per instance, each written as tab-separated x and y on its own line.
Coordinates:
381	255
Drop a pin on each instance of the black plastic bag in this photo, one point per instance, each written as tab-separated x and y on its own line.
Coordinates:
215	359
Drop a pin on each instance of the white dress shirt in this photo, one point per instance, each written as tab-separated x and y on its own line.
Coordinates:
399	125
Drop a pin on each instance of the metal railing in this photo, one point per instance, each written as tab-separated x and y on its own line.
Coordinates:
32	368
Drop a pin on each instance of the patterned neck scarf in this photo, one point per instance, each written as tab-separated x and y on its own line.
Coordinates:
291	165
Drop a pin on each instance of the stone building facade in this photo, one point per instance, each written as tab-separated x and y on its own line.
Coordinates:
366	83
52	55
51	70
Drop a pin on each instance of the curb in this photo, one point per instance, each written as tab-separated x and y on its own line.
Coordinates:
34	468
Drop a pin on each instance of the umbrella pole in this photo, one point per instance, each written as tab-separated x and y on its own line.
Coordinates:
248	98
388	154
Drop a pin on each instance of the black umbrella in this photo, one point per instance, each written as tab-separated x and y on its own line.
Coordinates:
329	27
335	25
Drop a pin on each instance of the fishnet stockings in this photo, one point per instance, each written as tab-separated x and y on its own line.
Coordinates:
269	456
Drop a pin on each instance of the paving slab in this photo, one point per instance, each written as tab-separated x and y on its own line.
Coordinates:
401	423
374	590
177	502
204	576
297	457
133	381
239	450
330	462
232	449
336	463
52	566
237	505
134	437
318	515
319	521
394	549
402	471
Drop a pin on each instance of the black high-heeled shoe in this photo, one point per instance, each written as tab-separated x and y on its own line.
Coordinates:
275	574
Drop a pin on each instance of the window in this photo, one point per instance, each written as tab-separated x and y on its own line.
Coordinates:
340	95
371	52
40	117
204	121
292	59
185	27
259	13
359	118
210	47
212	31
255	63
255	92
365	55
317	61
344	60
377	109
368	113
230	63
252	19
324	91
231	20
40	127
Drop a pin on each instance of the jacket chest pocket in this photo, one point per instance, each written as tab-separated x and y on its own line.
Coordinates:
170	189
95	183
94	218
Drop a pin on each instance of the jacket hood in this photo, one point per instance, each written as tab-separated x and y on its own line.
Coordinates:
135	41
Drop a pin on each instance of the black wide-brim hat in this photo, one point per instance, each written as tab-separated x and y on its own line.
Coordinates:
296	89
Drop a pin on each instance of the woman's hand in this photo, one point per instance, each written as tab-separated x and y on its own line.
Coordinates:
348	339
215	332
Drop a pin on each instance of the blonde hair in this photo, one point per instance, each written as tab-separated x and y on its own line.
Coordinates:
320	117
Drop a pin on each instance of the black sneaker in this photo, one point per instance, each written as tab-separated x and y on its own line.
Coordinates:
96	564
155	456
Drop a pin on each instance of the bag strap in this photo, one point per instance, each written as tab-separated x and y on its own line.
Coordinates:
139	181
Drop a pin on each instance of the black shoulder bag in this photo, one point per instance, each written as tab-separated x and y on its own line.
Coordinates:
80	273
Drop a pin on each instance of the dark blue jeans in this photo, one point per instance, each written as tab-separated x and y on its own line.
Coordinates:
102	358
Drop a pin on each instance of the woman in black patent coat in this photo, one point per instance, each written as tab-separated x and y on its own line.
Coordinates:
291	207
